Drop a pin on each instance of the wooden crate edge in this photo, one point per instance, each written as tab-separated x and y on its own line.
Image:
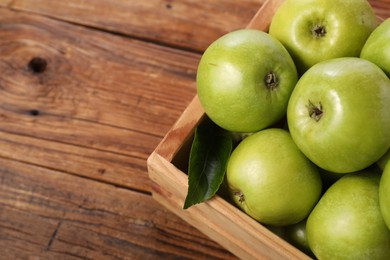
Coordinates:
183	128
217	218
263	16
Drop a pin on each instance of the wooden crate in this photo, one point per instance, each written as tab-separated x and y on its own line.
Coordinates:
217	218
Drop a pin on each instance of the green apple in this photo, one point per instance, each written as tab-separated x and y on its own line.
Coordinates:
244	80
377	47
383	160
317	30
384	195
347	223
338	114
271	180
296	235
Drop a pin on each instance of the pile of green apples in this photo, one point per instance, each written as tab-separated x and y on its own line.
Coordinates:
312	98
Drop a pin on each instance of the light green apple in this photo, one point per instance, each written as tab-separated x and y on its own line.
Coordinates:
271	180
383	160
377	47
317	30
384	195
244	80
339	114
347	222
296	235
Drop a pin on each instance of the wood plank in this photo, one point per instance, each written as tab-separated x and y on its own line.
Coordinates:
118	169
189	24
92	76
381	7
95	110
45	213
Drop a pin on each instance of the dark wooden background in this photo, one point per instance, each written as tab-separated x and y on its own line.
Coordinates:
88	88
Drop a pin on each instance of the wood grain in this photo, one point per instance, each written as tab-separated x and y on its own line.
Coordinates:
74	140
48	213
96	103
92	76
381	7
75	133
188	24
263	17
117	169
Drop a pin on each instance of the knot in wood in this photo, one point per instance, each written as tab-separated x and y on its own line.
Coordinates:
37	65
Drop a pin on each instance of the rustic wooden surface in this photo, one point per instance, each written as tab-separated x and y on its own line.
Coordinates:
87	91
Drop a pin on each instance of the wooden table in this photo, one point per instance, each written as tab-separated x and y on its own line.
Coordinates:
87	91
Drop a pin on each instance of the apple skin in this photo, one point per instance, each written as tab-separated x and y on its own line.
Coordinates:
344	24
234	80
338	114
377	47
347	223
383	160
296	235
384	195
271	180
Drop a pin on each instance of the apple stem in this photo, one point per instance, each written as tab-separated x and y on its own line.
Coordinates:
315	111
271	81
319	31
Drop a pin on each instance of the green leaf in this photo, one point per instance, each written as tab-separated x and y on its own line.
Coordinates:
209	155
